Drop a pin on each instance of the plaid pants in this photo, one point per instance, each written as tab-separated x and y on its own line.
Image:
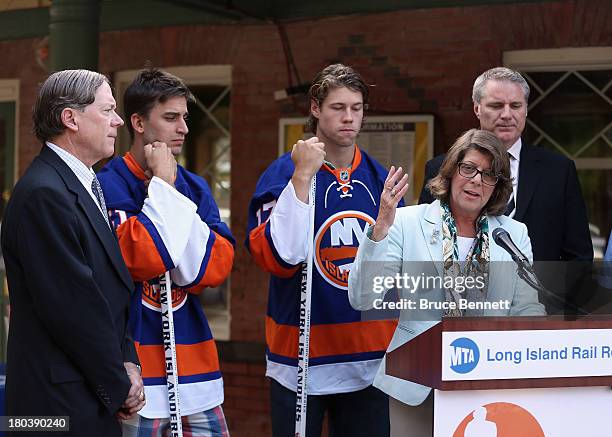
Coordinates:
210	423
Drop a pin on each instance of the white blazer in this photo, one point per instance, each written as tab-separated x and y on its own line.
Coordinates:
414	247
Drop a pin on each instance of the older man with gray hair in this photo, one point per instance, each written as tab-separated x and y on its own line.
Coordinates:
69	352
546	193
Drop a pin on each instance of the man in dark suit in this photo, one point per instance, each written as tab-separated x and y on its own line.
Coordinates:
546	192
69	352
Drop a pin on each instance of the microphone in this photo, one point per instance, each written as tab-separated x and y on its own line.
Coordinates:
525	271
502	238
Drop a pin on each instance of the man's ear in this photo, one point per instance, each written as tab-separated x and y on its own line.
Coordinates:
477	110
137	121
69	118
314	109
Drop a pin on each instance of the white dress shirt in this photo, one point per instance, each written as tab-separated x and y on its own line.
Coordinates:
515	157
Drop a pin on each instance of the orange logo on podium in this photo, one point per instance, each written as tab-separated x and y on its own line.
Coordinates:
499	419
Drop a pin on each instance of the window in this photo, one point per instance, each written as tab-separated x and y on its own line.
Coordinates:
9	102
570	112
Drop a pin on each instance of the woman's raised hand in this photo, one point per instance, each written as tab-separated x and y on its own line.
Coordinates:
395	187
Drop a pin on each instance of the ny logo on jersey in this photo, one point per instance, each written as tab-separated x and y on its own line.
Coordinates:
151	296
336	245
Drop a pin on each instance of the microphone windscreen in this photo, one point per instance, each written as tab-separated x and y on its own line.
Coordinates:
498	234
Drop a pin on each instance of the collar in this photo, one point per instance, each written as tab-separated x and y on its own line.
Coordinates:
515	150
134	167
432	213
333	167
68	157
83	173
343	175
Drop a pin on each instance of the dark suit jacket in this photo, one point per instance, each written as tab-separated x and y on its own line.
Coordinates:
69	292
550	203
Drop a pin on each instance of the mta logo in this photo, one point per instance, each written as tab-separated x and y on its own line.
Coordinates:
336	245
464	355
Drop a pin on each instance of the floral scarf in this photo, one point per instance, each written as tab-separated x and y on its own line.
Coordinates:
476	263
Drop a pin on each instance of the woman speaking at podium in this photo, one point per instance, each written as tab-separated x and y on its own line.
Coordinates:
439	258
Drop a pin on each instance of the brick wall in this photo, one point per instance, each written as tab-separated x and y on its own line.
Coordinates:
421	61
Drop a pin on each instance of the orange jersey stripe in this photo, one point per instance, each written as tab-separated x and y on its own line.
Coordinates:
334	253
192	359
263	256
219	264
139	251
337	339
134	167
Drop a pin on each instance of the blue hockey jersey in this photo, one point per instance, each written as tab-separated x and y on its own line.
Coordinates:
161	228
345	351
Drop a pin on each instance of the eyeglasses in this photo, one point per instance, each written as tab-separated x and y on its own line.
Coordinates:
469	171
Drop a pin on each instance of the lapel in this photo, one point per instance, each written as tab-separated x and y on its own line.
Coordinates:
529	175
92	212
431	226
502	271
495	252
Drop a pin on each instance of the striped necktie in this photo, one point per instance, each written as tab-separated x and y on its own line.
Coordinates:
97	190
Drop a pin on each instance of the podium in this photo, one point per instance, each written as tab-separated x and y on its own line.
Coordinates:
510	376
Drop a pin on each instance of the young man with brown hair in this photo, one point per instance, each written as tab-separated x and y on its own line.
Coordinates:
345	351
167	220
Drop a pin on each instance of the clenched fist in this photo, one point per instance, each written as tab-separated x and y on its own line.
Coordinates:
160	161
308	158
